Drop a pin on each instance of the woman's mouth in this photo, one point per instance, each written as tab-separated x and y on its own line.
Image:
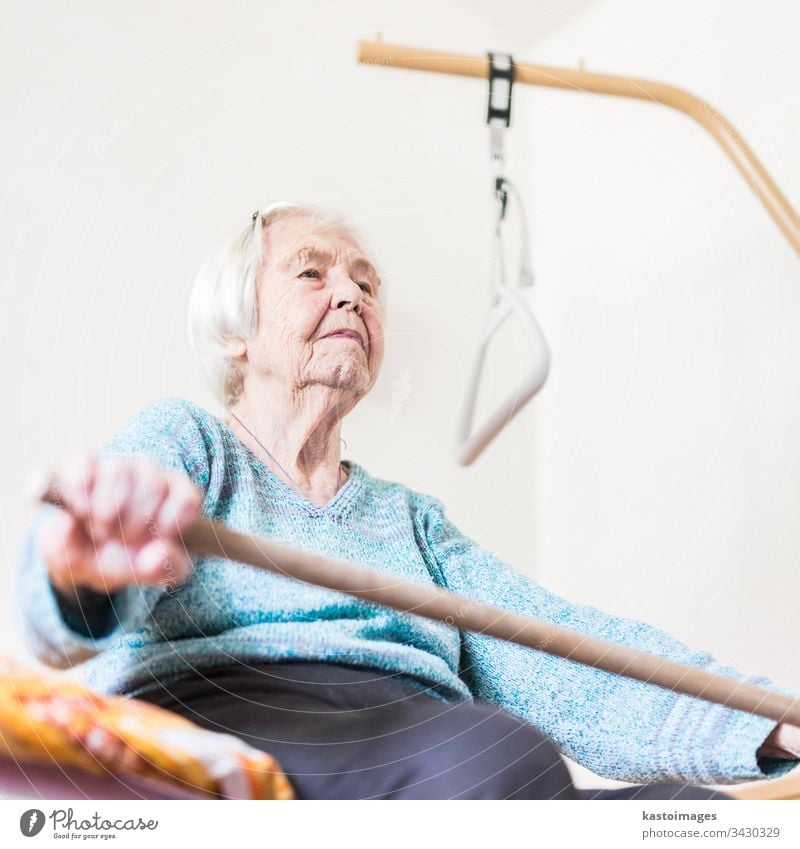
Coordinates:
346	334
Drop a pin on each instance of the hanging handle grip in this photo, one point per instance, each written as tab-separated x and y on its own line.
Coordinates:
470	445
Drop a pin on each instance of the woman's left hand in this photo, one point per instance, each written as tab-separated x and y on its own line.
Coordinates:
783	742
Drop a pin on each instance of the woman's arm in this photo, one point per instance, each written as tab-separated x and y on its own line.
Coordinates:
60	629
615	726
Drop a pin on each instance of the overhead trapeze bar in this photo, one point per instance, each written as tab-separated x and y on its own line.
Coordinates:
765	188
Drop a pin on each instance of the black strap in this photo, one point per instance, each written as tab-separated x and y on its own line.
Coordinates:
501	83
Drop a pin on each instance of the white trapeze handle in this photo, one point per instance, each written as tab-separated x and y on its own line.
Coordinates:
470	445
506	301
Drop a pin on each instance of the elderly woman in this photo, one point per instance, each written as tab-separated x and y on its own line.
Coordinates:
355	700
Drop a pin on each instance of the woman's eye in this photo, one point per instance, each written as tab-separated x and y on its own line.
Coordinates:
310	271
368	289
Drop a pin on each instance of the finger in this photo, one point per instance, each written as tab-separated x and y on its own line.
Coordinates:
770	752
114	566
76	479
163	562
65	547
148	491
109	495
180	507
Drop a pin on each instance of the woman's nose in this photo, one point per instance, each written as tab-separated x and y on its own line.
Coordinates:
346	291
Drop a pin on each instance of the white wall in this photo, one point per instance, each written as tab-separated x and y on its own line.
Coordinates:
655	476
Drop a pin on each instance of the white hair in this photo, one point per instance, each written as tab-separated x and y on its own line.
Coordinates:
223	303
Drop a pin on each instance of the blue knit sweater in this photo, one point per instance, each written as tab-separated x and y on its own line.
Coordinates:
615	726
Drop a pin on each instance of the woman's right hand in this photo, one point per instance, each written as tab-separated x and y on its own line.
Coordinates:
120	524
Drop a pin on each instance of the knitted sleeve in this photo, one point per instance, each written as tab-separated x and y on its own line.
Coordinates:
56	632
615	726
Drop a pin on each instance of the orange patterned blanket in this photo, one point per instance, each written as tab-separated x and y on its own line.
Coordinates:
49	719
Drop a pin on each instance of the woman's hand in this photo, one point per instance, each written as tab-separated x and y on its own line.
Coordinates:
783	742
120	525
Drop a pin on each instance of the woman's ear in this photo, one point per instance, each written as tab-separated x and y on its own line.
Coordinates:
235	348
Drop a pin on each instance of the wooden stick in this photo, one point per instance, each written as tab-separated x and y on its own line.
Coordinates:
208	537
764	187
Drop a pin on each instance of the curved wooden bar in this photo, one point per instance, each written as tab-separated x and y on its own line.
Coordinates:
765	188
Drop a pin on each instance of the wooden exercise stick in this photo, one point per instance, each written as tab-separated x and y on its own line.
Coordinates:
208	537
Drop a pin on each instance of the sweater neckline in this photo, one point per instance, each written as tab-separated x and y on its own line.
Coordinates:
344	495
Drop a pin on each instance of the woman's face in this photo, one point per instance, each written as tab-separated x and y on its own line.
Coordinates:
314	282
